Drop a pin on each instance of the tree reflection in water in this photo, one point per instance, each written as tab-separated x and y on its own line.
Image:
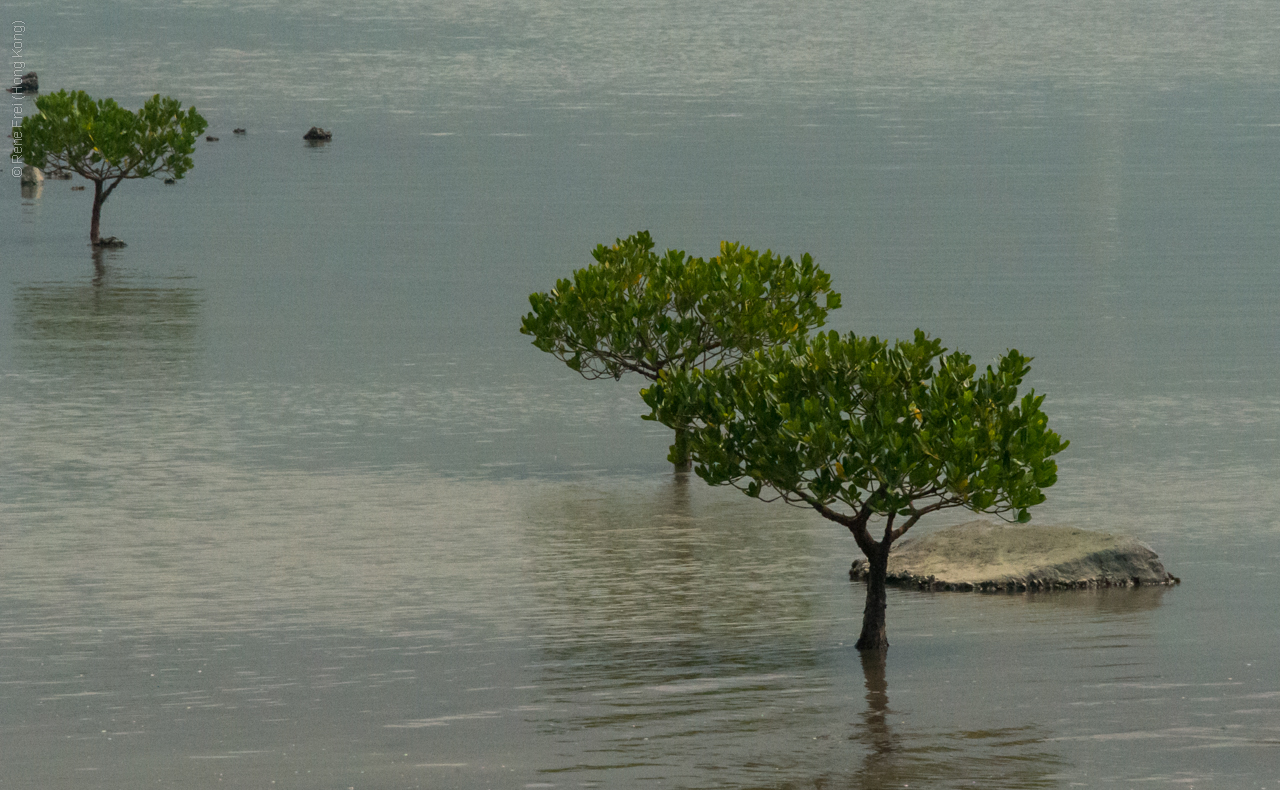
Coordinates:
877	766
1011	757
684	632
115	325
664	584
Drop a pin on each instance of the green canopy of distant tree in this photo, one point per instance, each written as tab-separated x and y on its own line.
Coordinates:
636	311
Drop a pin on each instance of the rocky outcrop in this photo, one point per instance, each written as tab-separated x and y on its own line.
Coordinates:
27	83
316	134
986	557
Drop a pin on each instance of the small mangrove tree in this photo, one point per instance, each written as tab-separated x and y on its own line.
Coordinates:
872	435
107	144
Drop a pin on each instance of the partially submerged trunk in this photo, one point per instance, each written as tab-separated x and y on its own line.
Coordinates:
680	457
873	635
98	197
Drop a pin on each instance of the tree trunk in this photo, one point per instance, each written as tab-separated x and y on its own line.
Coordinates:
873	632
97	212
680	451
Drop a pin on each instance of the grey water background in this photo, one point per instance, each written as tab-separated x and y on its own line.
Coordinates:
287	501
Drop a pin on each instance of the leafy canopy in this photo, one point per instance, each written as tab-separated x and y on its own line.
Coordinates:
634	310
102	141
855	427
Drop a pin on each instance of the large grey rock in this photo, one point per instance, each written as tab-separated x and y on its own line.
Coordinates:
31	175
985	556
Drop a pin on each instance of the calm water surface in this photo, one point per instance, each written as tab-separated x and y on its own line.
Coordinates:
287	501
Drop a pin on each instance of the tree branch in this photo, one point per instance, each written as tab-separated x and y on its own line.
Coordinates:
889	537
917	514
107	192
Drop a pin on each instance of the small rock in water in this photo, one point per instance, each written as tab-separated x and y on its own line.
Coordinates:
210	138
27	83
315	134
171	180
238	131
78	188
109	241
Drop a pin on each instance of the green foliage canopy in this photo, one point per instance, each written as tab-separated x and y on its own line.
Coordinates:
856	427
634	310
101	140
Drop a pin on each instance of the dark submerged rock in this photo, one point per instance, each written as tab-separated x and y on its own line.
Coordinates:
986	557
238	131
110	242
210	138
171	180
315	133
27	83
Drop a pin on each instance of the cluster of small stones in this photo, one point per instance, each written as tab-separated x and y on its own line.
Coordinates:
858	572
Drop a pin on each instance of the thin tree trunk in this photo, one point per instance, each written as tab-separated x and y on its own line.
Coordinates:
680	451
873	635
97	212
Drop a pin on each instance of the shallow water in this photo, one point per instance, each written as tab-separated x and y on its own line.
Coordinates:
285	497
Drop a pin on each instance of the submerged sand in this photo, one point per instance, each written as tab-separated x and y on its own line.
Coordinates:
989	556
